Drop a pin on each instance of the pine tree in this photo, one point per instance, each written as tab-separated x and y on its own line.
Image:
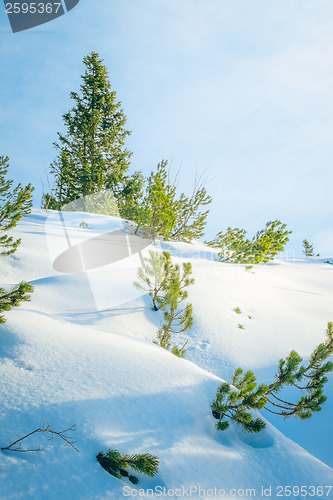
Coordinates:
235	404
158	210
161	214
166	284
116	463
190	221
91	153
14	204
129	200
307	249
19	293
233	245
269	241
236	248
236	400
153	278
176	319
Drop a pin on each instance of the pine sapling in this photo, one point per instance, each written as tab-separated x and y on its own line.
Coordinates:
19	293
236	400
153	277
190	221
14	204
308	249
116	463
176	319
157	216
236	248
233	401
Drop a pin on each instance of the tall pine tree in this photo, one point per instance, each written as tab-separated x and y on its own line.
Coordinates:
91	152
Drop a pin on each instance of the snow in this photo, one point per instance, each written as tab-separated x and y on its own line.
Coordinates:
81	353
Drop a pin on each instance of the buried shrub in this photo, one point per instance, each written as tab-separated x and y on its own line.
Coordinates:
235	401
115	463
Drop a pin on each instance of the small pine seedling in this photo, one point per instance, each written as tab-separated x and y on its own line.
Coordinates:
237	310
241	327
116	463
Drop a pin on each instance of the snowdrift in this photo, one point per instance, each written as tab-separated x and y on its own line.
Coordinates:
81	353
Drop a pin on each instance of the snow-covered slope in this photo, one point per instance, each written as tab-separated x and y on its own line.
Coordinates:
68	358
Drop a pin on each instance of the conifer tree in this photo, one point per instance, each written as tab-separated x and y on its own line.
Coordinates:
116	464
129	200
236	248
190	221
236	400
161	214
13	298
157	216
153	277
14	204
233	401
233	245
269	241
166	284
177	319
91	153
307	249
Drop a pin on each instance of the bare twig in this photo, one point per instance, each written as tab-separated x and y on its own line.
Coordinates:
44	429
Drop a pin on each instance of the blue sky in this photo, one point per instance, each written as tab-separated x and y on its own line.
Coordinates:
242	89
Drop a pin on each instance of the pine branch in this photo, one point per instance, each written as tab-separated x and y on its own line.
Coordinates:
234	400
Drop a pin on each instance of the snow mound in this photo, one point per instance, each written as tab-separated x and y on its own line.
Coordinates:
68	358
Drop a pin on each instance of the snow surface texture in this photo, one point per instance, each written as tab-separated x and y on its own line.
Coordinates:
81	353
